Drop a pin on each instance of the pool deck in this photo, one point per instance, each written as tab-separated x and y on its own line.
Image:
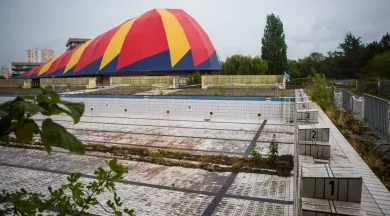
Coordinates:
375	197
152	189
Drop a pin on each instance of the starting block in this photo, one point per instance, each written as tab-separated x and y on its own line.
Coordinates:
310	115
314	149
313	133
339	183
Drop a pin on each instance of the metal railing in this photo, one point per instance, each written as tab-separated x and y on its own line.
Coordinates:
347	100
376	114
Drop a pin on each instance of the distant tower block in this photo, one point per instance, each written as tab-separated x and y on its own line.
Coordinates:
331	182
309	116
321	207
304	105
313	133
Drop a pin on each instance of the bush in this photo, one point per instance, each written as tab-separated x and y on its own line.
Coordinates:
319	91
194	79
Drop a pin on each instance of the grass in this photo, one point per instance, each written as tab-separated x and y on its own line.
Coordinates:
279	165
350	128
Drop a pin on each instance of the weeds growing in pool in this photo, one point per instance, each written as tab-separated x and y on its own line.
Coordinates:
278	165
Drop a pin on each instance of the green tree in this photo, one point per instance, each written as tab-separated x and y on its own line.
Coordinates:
244	65
293	69
194	78
379	66
274	48
352	49
385	42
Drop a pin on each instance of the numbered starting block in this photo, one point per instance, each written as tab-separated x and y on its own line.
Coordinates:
308	116
321	207
304	105
302	99
314	148
339	183
313	132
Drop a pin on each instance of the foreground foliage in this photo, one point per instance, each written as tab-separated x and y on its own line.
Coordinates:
16	118
74	198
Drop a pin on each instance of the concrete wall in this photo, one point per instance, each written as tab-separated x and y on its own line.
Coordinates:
15	83
243	81
152	81
87	82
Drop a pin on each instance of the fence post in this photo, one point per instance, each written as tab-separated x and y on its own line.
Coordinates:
363	107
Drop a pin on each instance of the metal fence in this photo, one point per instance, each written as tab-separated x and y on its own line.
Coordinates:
384	87
376	114
347	100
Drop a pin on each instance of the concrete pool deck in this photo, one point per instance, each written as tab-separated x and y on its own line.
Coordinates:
375	196
152	189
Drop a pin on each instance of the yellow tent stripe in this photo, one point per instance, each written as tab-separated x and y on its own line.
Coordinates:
116	42
76	56
177	39
46	67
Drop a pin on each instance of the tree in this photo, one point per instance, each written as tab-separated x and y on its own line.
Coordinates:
244	65
352	49
194	78
379	66
385	42
274	48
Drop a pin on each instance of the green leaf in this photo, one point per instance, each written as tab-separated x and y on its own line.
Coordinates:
4	108
57	135
5	125
4	139
51	109
26	130
28	97
43	99
76	110
54	96
20	108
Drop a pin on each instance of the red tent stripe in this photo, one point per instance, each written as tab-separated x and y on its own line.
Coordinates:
146	38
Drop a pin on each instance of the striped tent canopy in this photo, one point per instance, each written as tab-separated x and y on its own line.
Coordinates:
158	40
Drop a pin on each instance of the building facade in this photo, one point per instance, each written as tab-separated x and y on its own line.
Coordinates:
39	55
74	42
19	68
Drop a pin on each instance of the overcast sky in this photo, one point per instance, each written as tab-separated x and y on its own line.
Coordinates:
235	27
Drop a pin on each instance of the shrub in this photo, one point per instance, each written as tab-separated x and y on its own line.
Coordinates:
255	157
73	198
273	148
319	91
194	79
